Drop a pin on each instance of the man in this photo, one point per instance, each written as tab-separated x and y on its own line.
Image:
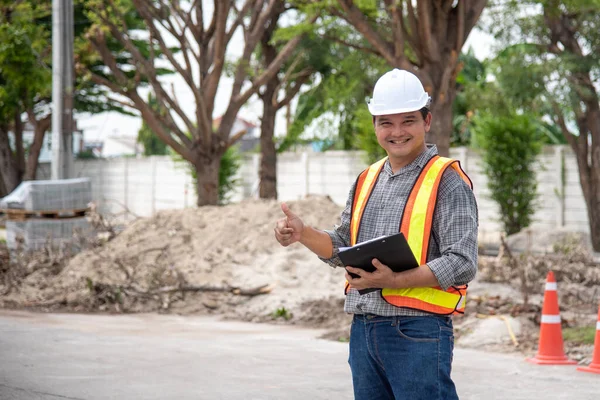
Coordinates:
401	339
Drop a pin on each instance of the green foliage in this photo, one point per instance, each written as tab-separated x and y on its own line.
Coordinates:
538	74
230	164
580	335
366	138
24	72
282	312
472	75
335	106
86	155
512	88
510	145
153	145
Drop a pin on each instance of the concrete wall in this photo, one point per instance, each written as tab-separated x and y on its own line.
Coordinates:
149	184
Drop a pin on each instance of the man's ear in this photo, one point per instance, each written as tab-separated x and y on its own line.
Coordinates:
427	122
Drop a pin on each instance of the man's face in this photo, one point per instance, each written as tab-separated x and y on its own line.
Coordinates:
402	136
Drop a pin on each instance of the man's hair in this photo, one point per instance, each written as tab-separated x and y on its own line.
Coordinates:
424	111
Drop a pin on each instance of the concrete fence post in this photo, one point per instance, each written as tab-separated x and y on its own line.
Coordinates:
153	184
304	163
463	157
560	177
255	184
126	184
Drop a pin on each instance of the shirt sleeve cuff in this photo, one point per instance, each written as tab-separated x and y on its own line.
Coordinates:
442	269
334	260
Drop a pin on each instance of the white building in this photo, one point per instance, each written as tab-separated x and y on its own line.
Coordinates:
121	146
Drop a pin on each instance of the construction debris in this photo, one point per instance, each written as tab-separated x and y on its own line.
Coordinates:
225	260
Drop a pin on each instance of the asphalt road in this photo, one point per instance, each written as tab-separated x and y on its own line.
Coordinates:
66	356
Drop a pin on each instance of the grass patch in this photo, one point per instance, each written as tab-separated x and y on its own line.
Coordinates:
282	312
581	335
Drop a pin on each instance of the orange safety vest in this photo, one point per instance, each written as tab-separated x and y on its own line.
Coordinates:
417	219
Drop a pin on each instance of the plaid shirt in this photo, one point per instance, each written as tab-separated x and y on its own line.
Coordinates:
452	254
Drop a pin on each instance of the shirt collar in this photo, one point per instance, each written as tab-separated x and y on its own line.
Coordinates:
419	162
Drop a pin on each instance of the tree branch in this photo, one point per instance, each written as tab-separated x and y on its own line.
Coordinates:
473	10
234	138
356	18
560	120
271	70
143	64
394	10
148	115
291	93
351	45
217	50
414	38
430	46
239	19
460	26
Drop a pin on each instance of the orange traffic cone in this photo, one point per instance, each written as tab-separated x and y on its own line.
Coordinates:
550	349
595	365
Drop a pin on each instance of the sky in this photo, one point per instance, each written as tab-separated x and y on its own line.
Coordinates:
101	126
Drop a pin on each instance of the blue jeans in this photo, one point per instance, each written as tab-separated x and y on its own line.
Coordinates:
402	358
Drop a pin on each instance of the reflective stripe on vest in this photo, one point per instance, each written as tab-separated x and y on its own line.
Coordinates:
416	223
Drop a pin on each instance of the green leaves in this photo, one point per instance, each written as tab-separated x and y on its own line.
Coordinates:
510	145
335	107
25	74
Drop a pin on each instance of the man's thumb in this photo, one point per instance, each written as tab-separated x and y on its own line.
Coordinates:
286	210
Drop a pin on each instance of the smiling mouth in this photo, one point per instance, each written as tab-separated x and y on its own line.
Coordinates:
399	141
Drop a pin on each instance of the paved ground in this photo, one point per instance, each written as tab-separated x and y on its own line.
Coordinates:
62	356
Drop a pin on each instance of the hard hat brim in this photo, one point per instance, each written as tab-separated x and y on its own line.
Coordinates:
375	112
381	110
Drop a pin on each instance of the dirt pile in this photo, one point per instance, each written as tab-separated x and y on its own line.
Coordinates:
207	250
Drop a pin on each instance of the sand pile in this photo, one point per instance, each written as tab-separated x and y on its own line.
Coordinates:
230	246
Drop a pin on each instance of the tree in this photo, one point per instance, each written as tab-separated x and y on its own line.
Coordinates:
26	86
422	36
510	145
202	51
289	79
336	102
560	41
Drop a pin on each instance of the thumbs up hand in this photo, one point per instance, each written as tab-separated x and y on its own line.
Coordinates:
289	229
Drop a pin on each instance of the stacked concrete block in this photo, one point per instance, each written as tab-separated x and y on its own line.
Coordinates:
47	213
65	194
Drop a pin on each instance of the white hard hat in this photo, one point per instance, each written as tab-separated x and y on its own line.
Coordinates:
398	91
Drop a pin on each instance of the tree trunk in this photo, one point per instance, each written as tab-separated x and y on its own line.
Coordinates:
19	145
268	162
207	180
441	127
3	191
588	160
594	210
8	164
40	129
439	81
